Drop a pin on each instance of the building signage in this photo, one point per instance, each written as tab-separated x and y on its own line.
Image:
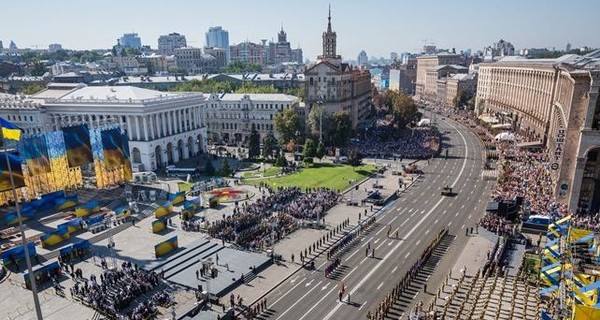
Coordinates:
560	141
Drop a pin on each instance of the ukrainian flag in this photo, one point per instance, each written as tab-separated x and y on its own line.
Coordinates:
10	131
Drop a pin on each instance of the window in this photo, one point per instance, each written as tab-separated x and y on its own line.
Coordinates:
310	80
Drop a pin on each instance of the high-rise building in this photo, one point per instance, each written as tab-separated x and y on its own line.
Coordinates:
337	86
131	40
394	56
1	46
12	45
362	59
297	56
248	52
217	37
568	47
430	69
168	43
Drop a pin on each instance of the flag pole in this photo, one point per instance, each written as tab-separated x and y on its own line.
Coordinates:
36	301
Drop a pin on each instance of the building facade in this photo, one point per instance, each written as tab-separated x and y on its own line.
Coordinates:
229	117
163	128
248	52
131	40
194	61
337	86
362	59
168	43
403	77
217	37
552	102
426	87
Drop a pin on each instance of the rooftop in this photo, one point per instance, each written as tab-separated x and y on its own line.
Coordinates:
115	93
280	97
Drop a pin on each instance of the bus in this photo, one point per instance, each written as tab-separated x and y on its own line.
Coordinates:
173	171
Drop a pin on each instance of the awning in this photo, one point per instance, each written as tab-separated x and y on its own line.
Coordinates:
502	126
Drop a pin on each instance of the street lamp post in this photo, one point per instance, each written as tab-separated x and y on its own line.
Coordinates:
320	103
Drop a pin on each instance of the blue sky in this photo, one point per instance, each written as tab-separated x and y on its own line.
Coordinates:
379	27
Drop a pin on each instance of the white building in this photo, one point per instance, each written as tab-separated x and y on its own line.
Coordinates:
168	43
229	117
163	128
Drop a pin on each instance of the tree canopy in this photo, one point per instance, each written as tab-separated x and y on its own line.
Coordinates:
254	143
269	145
342	128
287	123
32	88
242	67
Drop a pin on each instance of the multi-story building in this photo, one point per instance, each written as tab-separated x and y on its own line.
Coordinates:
194	61
131	40
220	54
297	56
126	64
280	51
157	63
426	86
248	52
337	86
229	117
403	77
362	58
552	101
453	87
163	128
217	37
499	49
168	43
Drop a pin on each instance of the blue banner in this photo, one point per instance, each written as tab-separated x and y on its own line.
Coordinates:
77	143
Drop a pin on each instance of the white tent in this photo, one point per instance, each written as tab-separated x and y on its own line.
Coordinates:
424	122
505	136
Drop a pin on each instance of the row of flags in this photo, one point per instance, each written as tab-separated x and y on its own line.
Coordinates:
74	143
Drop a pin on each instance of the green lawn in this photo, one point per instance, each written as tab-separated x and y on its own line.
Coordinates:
320	175
258	173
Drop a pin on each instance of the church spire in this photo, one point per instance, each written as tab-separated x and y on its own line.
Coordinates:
329	20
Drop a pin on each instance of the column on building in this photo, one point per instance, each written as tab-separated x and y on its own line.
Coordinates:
129	132
137	128
146	131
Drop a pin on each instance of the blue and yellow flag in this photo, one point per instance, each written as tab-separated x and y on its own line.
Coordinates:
77	143
15	170
112	146
10	131
35	152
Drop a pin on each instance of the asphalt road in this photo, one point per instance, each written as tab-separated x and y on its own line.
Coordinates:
418	215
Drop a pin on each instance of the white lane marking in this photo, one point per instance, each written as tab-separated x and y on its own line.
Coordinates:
419	241
285	294
362	305
295	303
378	265
395	268
375	242
463	226
309	283
462	206
363	260
449	223
469	217
426	201
426	232
294	280
396	217
436	221
379	286
326	295
391	243
325	287
407	254
456	215
445	211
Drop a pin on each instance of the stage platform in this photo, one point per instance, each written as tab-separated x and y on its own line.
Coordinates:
180	267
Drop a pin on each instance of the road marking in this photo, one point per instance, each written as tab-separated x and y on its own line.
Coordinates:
391	243
426	201
436	221
426	232
309	283
326	295
405	221
375	242
462	206
445	211
469	217
294	280
295	303
419	241
362	305
378	265
325	287
363	260
398	209
379	286
285	294
395	268
396	217
456	215
449	223
407	254
463	226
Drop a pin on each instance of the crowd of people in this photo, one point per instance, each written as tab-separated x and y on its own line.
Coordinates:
116	290
422	143
277	213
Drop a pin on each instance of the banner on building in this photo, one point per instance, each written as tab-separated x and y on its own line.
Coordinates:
15	170
127	171
112	148
77	143
34	151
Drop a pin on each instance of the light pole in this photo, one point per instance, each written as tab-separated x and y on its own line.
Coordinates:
320	104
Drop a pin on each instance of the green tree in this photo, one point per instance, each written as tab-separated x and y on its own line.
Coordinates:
209	169
281	161
404	109
225	169
254	143
342	128
269	145
32	88
355	158
38	69
287	123
320	152
249	87
309	149
242	67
